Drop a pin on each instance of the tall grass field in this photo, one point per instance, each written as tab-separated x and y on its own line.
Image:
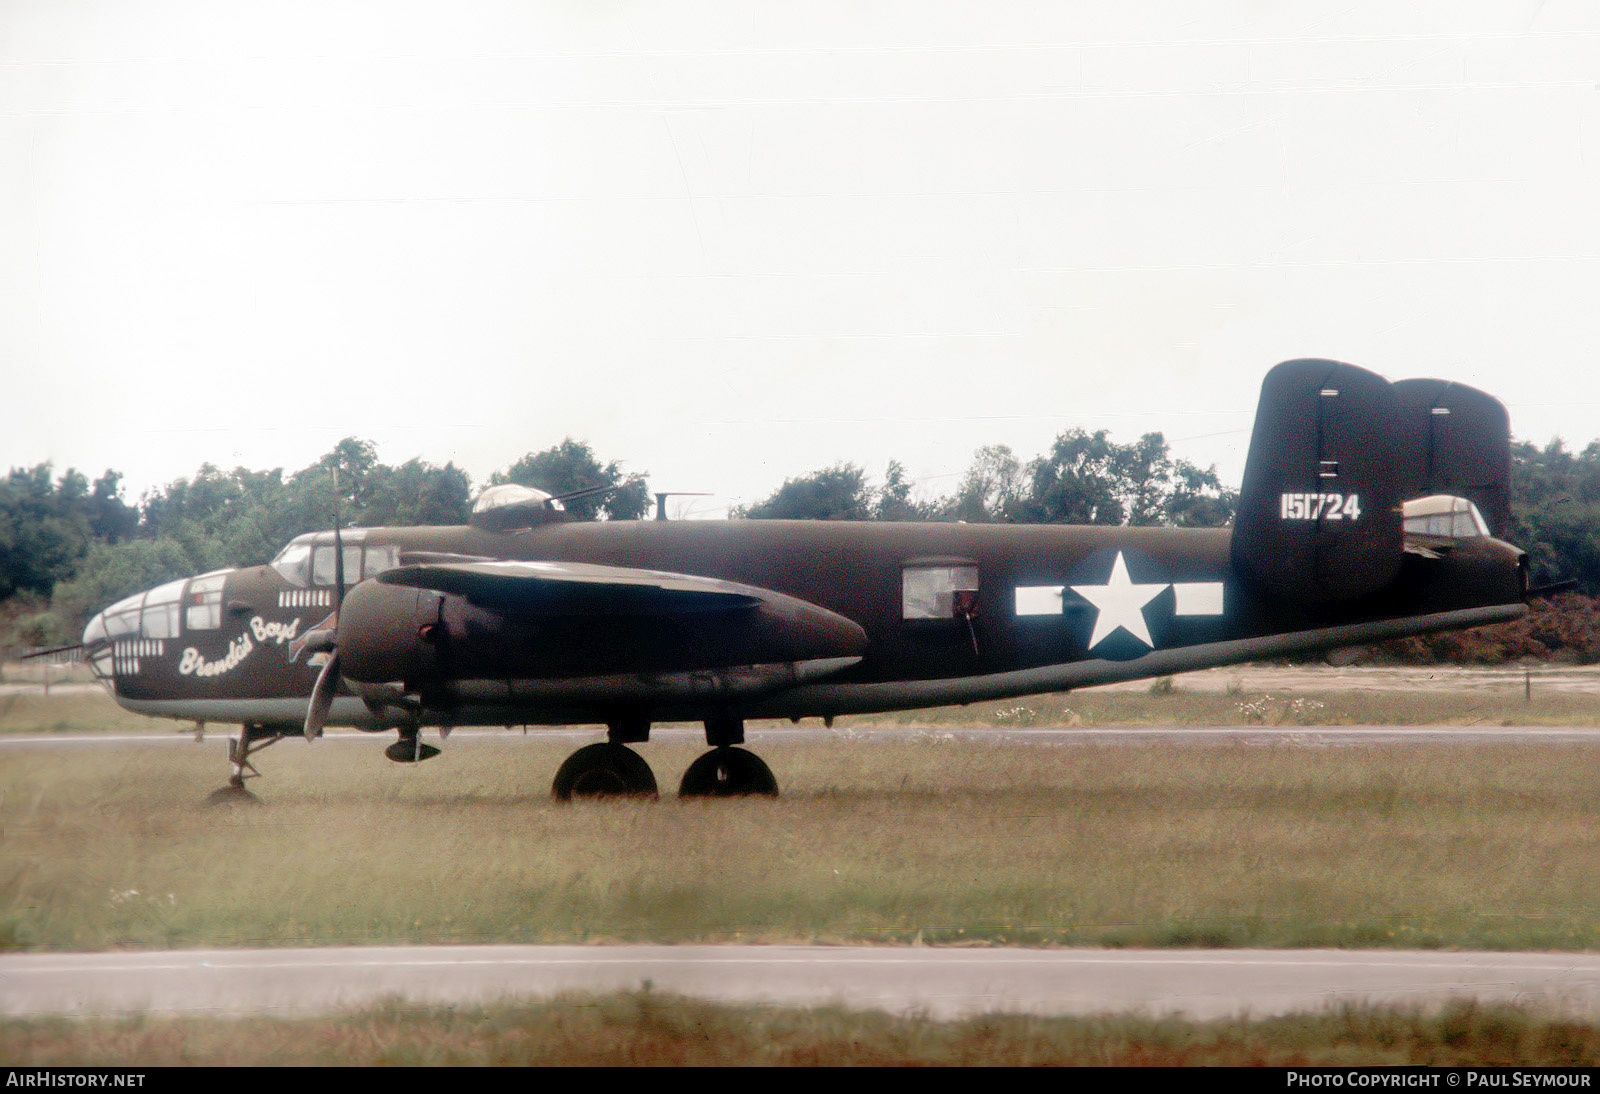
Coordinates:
930	840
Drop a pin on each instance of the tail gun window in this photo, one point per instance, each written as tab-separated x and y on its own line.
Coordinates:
936	592
1444	515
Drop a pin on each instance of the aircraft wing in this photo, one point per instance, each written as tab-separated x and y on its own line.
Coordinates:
559	588
478	619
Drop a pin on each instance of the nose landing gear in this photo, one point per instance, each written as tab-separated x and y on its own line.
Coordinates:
251	739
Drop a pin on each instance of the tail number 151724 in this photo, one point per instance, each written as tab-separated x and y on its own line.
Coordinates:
1319	507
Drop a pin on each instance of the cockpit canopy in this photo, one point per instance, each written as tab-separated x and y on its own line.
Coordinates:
1444	515
310	559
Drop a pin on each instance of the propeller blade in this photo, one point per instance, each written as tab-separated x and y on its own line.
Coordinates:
322	697
338	550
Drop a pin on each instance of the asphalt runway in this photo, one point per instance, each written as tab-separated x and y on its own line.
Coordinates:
937	982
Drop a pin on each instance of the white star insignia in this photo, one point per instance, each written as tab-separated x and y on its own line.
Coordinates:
1120	604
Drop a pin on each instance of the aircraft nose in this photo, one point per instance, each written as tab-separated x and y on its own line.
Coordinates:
120	620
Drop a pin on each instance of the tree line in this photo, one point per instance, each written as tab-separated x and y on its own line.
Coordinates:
1085	478
69	547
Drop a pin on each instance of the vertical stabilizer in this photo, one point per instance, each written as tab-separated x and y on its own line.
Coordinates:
1319	509
1456	440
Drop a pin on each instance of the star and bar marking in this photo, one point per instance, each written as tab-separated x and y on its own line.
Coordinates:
1120	602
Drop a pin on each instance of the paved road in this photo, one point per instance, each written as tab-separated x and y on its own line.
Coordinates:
940	982
1307	736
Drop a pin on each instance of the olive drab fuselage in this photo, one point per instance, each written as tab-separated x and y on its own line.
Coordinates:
949	612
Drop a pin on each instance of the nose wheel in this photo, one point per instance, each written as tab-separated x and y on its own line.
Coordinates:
251	739
232	794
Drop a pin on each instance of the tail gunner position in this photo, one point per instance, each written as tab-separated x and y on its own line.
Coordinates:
1368	511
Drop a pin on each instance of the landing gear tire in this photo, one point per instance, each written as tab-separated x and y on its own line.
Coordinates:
603	771
253	737
728	773
232	794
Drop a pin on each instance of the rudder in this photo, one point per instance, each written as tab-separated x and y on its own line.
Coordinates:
1319	508
1456	440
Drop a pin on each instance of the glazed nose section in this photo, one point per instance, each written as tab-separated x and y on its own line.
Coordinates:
134	627
95	632
97	649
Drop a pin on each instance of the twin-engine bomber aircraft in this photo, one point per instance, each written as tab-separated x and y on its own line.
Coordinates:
1367	512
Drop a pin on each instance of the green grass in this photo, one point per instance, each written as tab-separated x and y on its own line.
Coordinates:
649	1029
1159	706
938	841
79	711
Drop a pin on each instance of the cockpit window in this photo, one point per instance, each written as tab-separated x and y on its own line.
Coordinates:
380	559
294	562
309	559
323	570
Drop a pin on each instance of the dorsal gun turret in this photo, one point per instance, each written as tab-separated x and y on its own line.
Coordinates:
510	507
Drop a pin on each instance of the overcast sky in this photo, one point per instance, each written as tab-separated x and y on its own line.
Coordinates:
733	242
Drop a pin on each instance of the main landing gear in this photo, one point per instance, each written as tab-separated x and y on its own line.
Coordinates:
728	773
603	771
614	769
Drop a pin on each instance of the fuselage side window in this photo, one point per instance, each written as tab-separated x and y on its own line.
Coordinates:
204	603
937	592
380	559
